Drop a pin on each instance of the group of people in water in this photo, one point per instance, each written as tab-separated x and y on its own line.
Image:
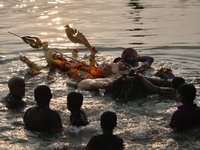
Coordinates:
42	118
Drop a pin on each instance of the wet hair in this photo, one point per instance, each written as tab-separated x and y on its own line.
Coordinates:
177	81
75	100
108	120
129	51
13	81
188	91
42	94
130	56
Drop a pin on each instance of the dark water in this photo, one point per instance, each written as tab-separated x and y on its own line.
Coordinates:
169	31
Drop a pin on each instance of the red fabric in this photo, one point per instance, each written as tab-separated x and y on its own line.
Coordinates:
77	73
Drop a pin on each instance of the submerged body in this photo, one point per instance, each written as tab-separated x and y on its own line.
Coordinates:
41	119
186	115
14	99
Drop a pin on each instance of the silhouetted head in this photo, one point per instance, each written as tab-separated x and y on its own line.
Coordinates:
108	120
130	56
74	101
187	93
16	86
42	94
177	81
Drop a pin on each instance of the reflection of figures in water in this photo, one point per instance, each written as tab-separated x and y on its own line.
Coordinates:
137	8
135	4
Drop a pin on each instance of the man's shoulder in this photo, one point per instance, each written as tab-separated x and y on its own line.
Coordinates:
186	107
185	110
80	119
106	137
43	112
107	141
12	103
82	113
41	108
7	98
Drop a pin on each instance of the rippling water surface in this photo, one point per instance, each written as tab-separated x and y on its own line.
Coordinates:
169	31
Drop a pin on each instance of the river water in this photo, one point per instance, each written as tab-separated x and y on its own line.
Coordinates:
169	31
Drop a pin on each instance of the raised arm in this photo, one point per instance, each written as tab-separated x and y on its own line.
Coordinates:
147	61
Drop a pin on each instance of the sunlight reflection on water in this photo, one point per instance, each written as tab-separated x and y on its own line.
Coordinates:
164	30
